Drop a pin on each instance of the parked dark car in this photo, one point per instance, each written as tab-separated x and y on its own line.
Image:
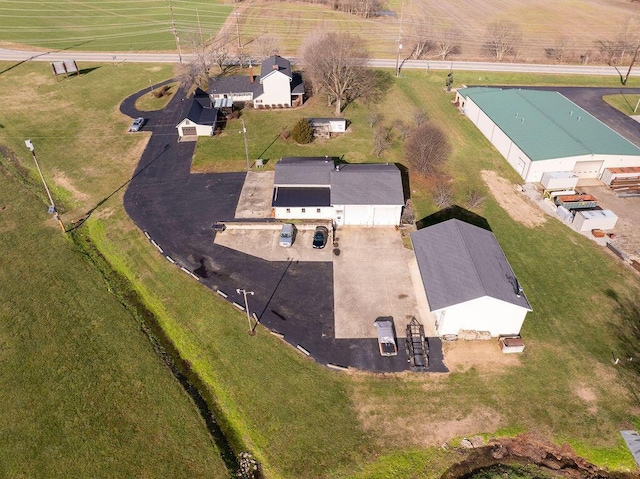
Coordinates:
220	227
137	124
320	237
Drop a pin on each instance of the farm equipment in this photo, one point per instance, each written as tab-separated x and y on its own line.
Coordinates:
417	348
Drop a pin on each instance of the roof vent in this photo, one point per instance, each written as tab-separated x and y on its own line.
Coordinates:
522	119
579	118
337	167
516	115
571	113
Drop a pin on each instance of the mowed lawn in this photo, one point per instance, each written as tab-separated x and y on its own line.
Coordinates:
109	26
302	420
83	393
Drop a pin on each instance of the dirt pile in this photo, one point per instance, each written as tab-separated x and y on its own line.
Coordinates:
559	461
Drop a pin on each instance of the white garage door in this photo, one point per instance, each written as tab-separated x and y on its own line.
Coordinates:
361	215
386	216
588	169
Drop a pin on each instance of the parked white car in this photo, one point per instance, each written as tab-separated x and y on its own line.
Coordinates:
287	235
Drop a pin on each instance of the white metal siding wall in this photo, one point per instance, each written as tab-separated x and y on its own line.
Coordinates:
482	314
311	213
204	130
387	215
277	90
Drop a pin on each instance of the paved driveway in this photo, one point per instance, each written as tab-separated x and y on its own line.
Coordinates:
176	208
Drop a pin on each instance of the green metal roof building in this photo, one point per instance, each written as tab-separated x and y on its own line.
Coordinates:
540	131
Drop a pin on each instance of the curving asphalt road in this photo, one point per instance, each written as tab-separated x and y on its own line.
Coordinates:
176	209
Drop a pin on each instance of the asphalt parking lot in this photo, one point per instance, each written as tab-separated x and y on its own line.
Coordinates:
294	297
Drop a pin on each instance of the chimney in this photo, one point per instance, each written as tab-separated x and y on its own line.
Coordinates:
250	73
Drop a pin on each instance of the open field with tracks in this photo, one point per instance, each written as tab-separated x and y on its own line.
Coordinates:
147	25
299	419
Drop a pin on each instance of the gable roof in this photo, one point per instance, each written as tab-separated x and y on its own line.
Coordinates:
303	171
201	111
546	125
236	84
366	184
460	262
275	63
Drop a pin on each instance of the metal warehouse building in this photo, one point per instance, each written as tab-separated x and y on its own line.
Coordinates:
543	131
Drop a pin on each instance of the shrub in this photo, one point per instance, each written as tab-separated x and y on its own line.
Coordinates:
302	132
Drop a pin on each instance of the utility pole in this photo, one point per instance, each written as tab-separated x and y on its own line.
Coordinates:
244	292
52	206
399	41
175	31
246	145
238	31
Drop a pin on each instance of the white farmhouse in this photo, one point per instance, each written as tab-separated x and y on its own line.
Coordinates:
364	194
276	86
543	131
468	281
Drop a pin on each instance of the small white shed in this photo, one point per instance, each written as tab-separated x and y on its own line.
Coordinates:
587	220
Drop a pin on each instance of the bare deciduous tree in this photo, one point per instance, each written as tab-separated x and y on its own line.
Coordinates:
474	199
427	148
503	38
218	50
559	50
446	41
336	64
419	35
442	194
266	45
419	117
381	139
364	8
403	129
374	118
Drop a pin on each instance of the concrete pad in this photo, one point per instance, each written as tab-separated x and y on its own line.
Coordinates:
371	279
263	243
255	198
426	317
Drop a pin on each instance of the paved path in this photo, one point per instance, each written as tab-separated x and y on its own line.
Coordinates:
107	57
176	208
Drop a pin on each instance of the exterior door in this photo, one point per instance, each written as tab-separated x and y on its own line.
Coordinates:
588	169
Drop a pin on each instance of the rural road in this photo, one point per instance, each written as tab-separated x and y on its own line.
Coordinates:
106	57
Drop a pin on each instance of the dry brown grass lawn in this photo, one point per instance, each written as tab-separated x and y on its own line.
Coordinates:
517	206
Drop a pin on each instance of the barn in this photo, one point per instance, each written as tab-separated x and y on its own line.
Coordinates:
315	188
543	131
469	283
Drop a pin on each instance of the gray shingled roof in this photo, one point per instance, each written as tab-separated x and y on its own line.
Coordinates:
303	171
366	184
275	62
236	84
460	262
297	85
200	111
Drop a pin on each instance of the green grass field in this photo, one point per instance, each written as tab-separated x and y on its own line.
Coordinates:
83	393
299	419
625	103
109	26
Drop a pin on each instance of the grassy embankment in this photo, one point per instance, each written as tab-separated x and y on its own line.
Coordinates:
304	421
83	392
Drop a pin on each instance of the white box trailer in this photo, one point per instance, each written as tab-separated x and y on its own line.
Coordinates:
559	180
587	220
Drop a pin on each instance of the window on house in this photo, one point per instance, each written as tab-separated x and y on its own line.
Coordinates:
288	210
317	210
304	210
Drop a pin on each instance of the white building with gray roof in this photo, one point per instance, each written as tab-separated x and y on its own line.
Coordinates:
364	194
468	280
